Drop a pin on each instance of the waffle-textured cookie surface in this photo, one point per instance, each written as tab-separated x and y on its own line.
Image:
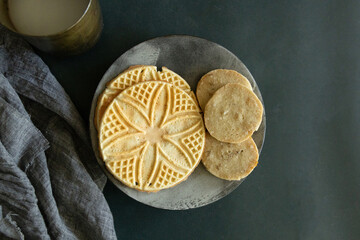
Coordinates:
230	161
214	80
131	76
152	136
233	113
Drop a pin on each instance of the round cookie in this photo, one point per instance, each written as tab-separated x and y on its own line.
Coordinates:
152	136
230	161
215	79
233	113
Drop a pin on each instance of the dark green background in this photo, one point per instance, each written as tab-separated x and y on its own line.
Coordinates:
304	56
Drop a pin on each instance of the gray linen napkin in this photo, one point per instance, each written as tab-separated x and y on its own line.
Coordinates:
50	183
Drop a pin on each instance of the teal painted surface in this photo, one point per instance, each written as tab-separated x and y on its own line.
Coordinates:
305	57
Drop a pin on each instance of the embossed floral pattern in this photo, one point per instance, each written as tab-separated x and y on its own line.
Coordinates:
152	136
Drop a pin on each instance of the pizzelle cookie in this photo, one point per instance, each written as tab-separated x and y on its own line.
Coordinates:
152	136
233	113
214	80
230	161
133	75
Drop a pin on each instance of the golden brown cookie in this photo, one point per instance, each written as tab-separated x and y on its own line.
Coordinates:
215	79
233	113
152	136
230	161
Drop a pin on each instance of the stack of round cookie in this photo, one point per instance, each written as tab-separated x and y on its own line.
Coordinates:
232	113
151	133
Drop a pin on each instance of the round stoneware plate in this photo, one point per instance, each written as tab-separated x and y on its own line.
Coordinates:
190	57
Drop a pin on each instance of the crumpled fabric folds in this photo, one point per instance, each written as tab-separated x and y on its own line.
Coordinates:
50	183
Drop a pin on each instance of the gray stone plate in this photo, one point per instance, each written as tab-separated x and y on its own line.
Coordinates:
190	57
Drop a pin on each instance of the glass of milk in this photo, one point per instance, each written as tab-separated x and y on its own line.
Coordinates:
65	27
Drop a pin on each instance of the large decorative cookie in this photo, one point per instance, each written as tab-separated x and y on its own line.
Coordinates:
214	80
152	136
131	76
230	161
233	113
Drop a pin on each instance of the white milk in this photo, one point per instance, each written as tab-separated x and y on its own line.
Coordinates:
45	17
